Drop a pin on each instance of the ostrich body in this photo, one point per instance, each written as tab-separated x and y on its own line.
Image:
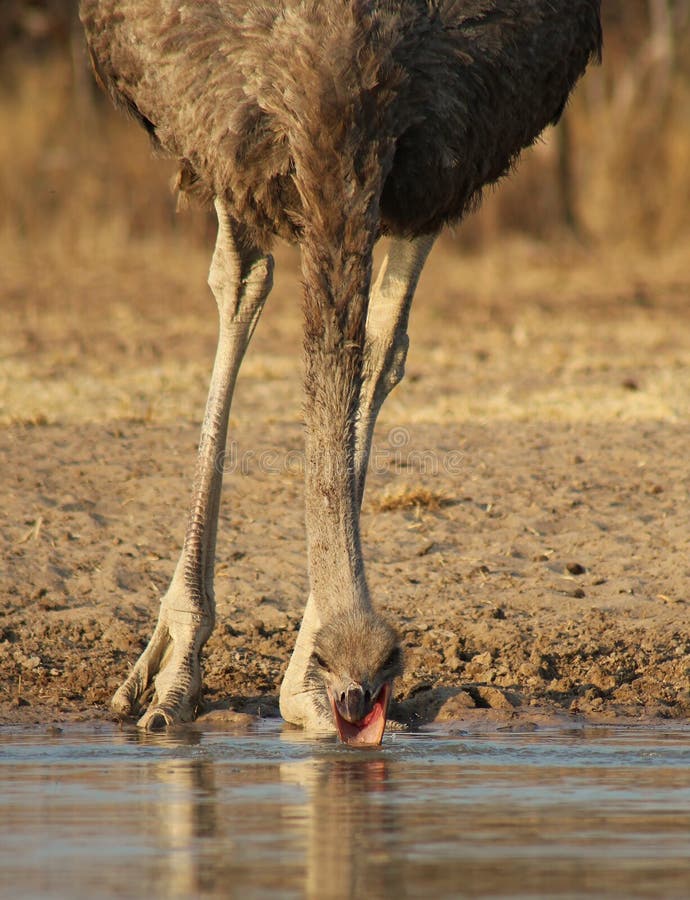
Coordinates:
328	123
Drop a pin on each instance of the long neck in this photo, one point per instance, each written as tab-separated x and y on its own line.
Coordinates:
337	277
337	114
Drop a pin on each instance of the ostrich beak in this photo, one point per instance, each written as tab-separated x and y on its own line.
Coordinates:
367	730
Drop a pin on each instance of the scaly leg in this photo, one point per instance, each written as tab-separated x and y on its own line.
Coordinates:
386	350
168	673
387	338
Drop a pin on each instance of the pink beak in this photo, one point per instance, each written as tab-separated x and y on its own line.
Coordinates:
368	732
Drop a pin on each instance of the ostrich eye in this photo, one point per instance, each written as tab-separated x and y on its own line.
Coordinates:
320	662
392	659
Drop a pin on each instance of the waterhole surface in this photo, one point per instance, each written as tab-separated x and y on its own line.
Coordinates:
99	812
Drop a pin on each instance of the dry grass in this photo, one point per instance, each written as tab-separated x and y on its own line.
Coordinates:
415	497
103	309
78	181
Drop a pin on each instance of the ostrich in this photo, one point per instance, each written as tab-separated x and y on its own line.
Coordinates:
329	123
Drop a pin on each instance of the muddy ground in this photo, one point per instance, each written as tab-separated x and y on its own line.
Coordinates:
526	523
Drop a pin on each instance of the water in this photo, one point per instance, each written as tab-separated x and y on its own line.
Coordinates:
108	813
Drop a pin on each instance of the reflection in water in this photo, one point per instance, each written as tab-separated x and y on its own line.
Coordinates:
181	819
338	823
270	815
349	826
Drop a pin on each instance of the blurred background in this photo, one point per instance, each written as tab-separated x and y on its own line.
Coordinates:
616	170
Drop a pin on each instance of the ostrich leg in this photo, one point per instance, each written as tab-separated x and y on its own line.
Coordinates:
386	350
387	338
168	673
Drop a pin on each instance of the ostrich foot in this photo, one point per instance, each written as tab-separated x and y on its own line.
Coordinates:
167	675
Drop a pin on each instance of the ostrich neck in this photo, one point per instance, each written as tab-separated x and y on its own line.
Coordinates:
337	281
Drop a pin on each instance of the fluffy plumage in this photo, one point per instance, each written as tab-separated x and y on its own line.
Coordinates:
261	100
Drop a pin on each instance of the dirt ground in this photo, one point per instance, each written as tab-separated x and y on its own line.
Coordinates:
526	522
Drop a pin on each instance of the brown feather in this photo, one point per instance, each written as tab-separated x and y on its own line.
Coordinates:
266	102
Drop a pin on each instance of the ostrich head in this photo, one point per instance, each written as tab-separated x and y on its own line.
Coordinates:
357	656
